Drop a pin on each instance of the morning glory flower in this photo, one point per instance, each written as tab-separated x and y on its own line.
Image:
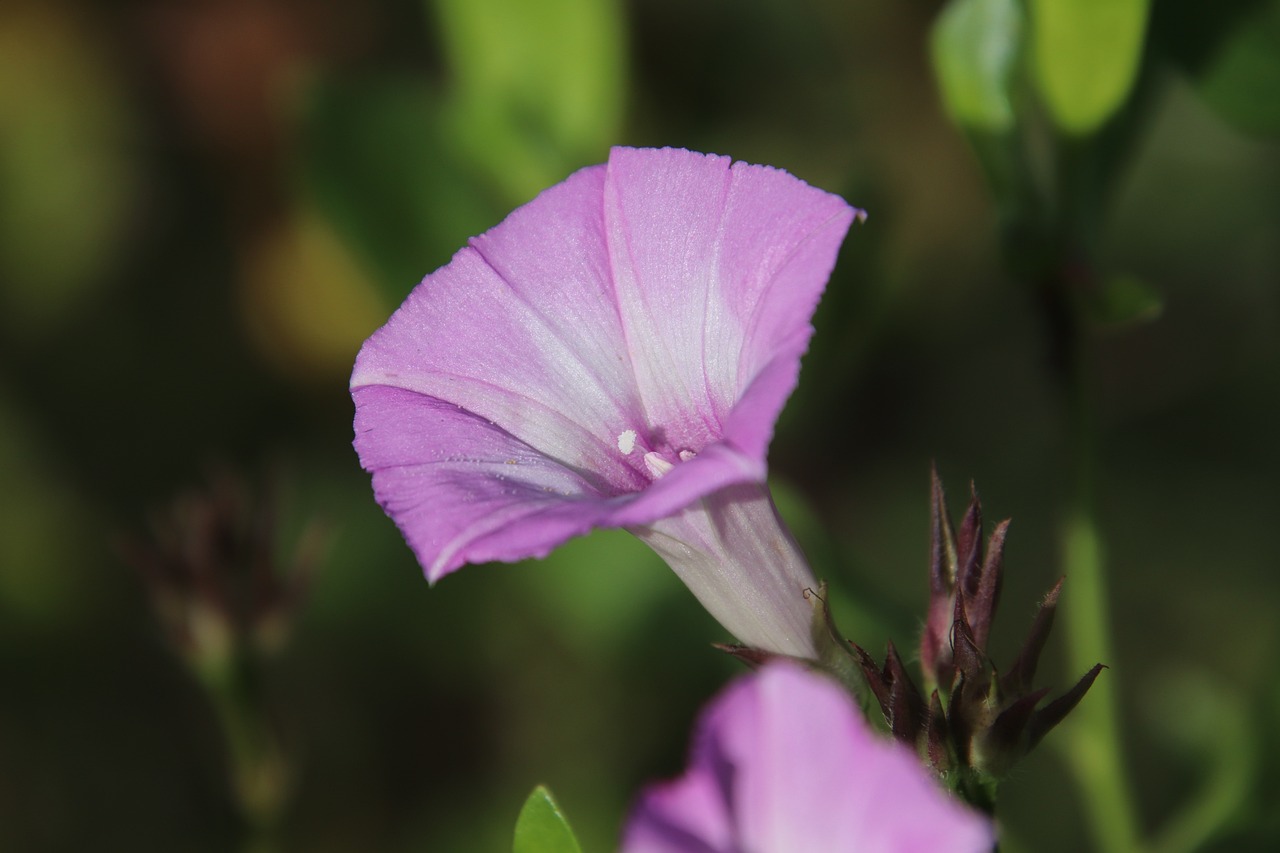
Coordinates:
782	761
613	354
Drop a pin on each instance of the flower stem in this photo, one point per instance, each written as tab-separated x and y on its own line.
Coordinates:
257	769
1092	744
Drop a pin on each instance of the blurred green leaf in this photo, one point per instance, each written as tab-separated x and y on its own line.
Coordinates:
542	827
1086	56
974	46
599	589
376	160
1125	301
67	172
1211	725
1243	83
539	88
43	582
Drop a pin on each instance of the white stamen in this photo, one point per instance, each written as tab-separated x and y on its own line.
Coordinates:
686	455
627	441
656	464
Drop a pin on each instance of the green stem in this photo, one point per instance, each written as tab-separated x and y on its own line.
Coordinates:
257	768
1092	743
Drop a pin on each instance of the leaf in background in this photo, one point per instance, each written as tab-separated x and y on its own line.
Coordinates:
539	88
376	161
68	175
599	591
305	301
1125	301
1086	55
1242	84
542	827
974	47
44	579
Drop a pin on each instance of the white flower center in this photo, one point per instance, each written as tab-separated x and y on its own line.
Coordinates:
655	462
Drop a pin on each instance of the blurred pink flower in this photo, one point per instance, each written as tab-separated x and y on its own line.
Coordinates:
783	762
614	354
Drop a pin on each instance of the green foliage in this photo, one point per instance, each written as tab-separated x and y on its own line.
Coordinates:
1243	82
975	45
542	827
1086	55
379	164
408	170
1124	300
67	175
539	88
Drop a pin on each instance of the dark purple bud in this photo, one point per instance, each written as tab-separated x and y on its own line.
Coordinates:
943	557
212	567
876	679
1053	713
1005	741
938	736
977	722
969	546
935	643
906	707
980	604
1019	678
969	658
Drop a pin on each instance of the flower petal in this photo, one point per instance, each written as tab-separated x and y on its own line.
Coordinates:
687	815
797	768
521	330
717	267
463	490
642	317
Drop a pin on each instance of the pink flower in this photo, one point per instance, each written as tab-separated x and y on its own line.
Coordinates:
782	762
614	354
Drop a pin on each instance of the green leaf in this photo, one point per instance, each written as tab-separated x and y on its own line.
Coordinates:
1086	56
378	163
542	828
1126	301
69	168
975	44
539	88
1243	83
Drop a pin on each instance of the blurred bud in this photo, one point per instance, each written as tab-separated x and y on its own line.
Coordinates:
217	577
971	722
226	592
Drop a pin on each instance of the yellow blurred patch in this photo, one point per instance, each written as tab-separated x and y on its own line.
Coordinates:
68	166
304	299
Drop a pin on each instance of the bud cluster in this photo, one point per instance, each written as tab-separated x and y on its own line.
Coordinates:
976	721
213	567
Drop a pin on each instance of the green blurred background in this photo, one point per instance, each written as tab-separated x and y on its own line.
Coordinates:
205	206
